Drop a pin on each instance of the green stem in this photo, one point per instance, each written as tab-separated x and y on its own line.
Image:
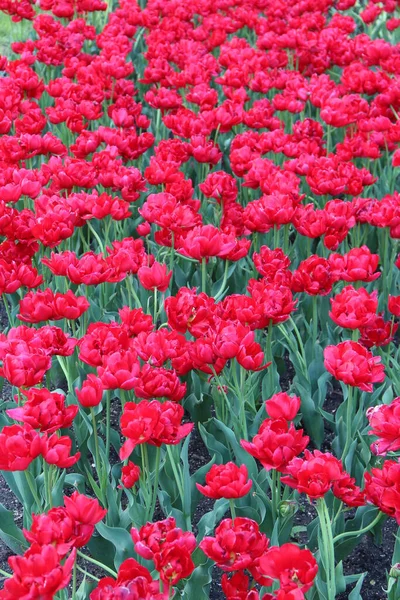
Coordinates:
175	471
74	580
328	139
155	306
222	390
46	475
172	255
131	291
275	492
96	235
96	445
222	287
203	275
9	315
286	231
315	320
155	485
5	574
232	507
108	424
270	358
87	574
32	487
242	403
327	549
349	414
97	563
359	532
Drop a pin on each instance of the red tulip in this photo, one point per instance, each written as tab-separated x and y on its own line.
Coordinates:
226	481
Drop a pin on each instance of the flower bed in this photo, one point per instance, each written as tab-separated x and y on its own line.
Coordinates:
199	267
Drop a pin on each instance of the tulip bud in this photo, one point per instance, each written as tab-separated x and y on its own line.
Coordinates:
288	508
395	571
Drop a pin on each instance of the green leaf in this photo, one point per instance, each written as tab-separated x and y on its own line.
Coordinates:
197	587
120	539
11	535
355	594
242	457
199	477
208	521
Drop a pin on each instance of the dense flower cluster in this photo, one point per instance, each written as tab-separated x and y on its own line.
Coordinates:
199	224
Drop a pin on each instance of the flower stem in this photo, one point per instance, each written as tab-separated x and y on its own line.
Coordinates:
203	275
327	550
32	487
232	507
155	485
155	306
359	532
349	413
315	320
74	580
96	445
97	563
108	424
175	471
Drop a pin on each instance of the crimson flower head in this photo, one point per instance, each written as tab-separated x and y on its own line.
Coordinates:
86	512
55	527
19	446
268	262
44	410
237	544
394	305
353	364
275	300
119	370
156	277
168	546
313	276
26	368
384	421
236	587
48	306
378	332
226	481
37	574
293	567
133	581
91	392
150	538
317	473
135	321
283	406
130	475
157	382
204	241
153	422
354	308
359	264
276	444
58	451
382	488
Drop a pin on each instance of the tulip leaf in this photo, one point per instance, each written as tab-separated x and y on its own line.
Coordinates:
120	539
11	535
197	587
355	594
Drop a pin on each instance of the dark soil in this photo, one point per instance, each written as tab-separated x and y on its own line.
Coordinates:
367	557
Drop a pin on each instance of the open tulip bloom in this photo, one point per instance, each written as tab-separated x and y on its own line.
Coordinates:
200	299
